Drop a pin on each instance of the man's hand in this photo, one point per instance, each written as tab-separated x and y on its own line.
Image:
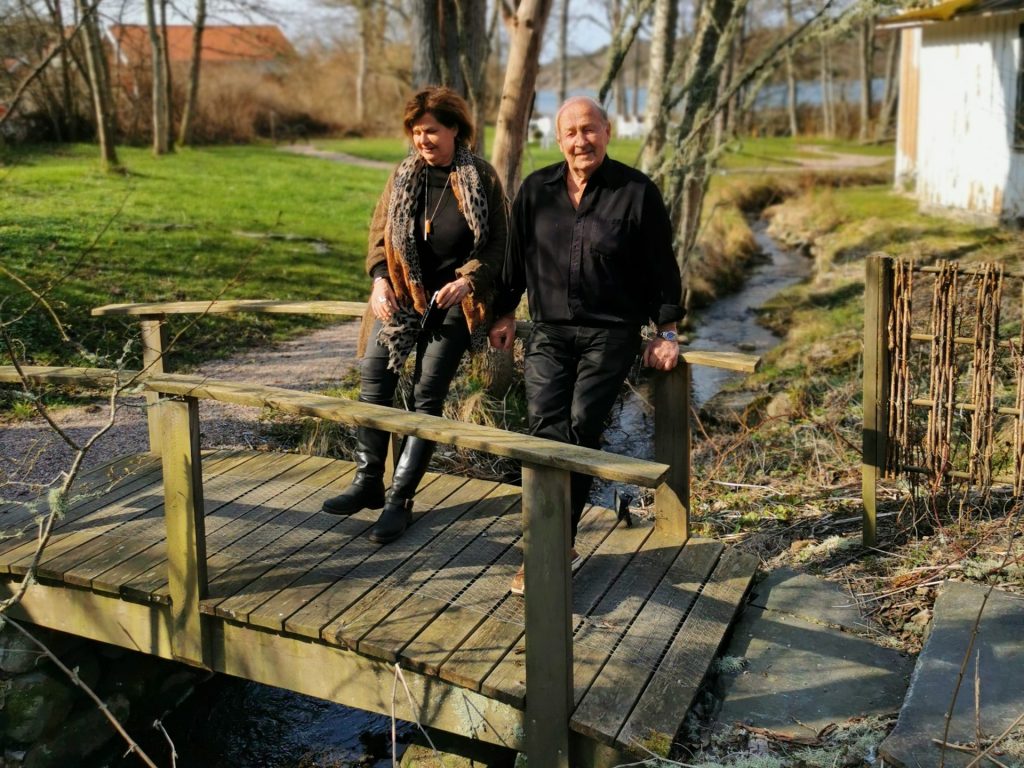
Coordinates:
661	354
503	333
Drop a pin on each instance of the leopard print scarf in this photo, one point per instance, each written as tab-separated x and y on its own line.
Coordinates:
400	333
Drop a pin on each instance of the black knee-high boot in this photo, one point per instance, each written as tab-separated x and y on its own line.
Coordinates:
367	488
397	514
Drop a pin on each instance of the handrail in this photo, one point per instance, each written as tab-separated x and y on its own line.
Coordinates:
526	448
220	307
731	361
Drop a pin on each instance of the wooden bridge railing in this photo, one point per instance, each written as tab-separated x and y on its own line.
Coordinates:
545	507
545	502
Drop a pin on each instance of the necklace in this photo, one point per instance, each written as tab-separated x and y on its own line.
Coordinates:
428	221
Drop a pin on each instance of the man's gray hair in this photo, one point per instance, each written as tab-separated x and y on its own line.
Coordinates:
577	100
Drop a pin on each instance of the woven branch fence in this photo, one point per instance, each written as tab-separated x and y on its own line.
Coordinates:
943	376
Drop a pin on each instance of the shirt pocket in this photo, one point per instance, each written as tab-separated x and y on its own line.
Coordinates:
608	237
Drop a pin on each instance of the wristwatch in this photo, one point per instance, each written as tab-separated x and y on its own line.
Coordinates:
667	335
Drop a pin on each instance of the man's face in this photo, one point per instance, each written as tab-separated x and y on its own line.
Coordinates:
583	136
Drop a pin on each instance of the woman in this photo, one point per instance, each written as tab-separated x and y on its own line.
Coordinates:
437	241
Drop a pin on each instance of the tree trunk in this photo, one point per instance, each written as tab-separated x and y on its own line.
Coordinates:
472	58
165	46
527	35
426	66
563	52
663	41
68	121
363	59
689	173
867	50
195	64
159	89
100	85
791	105
888	109
619	83
828	124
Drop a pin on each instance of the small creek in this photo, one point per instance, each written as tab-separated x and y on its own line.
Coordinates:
236	724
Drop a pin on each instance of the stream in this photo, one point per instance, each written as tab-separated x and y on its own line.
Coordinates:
231	723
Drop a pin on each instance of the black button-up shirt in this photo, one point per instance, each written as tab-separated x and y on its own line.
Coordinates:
608	262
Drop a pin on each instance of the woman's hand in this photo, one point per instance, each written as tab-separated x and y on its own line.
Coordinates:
382	300
454	292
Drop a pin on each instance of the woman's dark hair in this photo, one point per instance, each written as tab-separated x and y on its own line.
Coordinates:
447	107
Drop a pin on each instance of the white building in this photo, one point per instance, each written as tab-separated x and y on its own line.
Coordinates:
960	131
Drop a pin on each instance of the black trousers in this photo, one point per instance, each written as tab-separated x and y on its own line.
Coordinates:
573	376
437	360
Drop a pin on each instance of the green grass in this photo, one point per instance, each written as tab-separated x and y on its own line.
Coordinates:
189	226
785	151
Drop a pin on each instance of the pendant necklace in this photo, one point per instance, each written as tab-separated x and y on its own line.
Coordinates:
428	220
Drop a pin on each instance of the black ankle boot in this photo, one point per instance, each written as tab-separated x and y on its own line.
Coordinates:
392	522
367	488
397	514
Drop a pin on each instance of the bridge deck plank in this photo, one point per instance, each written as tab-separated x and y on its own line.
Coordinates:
647	612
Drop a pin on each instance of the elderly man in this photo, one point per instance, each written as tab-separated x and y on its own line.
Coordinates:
591	244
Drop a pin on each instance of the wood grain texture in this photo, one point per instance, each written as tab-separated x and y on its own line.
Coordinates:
186	535
667	698
610	698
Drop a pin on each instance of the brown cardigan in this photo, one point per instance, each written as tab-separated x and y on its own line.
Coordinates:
483	270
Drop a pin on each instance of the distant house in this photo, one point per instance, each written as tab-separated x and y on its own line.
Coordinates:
960	131
262	47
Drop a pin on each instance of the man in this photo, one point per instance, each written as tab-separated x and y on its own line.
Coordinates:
591	244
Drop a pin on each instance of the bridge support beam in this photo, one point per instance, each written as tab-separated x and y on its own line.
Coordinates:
549	680
186	529
672	447
154	342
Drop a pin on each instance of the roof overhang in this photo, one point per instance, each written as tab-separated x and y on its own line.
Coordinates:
950	10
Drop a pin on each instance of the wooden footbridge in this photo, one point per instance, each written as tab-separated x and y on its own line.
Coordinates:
223	559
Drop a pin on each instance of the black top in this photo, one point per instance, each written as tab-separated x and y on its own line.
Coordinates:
450	241
609	262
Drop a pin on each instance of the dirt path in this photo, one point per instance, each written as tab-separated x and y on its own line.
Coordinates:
827	161
31	454
308	150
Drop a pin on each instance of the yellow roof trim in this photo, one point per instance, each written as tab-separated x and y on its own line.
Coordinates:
941	12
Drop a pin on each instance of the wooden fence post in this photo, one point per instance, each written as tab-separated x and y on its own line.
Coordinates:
549	682
178	420
154	343
878	287
672	447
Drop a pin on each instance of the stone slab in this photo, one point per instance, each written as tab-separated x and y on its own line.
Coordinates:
801	676
808	598
1000	643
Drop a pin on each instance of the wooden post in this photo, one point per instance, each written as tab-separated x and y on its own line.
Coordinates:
549	684
672	447
178	420
154	342
878	287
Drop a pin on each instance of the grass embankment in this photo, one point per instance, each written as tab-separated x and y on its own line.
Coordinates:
226	222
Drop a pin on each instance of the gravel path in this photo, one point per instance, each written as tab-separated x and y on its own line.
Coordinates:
32	455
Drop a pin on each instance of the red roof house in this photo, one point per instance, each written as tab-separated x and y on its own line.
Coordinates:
240	44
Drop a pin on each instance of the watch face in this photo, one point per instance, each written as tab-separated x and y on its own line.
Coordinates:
668	335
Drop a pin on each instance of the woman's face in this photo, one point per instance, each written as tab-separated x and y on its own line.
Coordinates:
434	142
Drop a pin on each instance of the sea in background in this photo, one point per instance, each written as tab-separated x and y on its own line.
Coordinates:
770	97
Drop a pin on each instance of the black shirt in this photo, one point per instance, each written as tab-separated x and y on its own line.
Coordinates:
450	241
608	262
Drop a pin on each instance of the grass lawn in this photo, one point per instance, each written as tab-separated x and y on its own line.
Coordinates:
231	222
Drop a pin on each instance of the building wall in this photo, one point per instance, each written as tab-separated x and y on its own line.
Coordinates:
967	95
909	107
